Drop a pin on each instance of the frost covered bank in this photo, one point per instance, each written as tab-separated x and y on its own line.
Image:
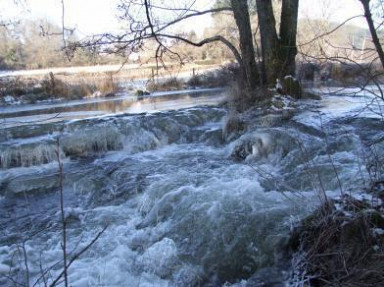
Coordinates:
184	205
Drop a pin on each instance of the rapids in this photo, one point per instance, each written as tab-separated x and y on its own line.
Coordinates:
183	204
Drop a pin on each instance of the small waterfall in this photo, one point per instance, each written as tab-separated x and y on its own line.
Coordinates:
27	155
133	134
88	142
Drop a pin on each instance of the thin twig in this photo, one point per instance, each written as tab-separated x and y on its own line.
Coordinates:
26	263
77	255
63	220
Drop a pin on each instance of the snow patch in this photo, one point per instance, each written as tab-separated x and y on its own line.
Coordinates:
290	77
283	103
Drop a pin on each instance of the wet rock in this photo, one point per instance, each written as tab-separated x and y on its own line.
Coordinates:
287	115
269	120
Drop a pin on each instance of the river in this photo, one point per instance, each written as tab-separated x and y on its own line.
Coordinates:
182	204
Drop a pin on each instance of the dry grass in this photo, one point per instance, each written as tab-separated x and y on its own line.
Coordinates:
167	85
16	86
339	246
107	85
104	85
56	87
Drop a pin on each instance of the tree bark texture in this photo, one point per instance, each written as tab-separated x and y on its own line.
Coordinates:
288	31
278	54
372	30
249	66
269	40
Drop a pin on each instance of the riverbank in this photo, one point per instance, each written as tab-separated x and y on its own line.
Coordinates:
66	84
58	87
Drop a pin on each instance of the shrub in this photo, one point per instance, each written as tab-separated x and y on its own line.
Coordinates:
15	86
166	85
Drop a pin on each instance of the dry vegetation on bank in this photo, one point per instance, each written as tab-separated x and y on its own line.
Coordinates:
82	84
19	90
341	244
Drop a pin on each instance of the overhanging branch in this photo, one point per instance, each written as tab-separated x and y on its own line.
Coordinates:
205	41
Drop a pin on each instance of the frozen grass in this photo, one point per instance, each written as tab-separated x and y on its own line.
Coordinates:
341	244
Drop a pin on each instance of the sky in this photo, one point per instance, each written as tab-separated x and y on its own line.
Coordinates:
98	16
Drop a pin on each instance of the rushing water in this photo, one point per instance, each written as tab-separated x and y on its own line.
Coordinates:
183	204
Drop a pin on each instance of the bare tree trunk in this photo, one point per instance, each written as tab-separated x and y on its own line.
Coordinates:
288	31
241	15
278	54
372	30
269	40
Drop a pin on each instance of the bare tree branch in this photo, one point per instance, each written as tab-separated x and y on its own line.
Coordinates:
217	38
331	31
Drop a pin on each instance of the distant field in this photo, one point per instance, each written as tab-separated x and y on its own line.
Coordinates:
123	72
